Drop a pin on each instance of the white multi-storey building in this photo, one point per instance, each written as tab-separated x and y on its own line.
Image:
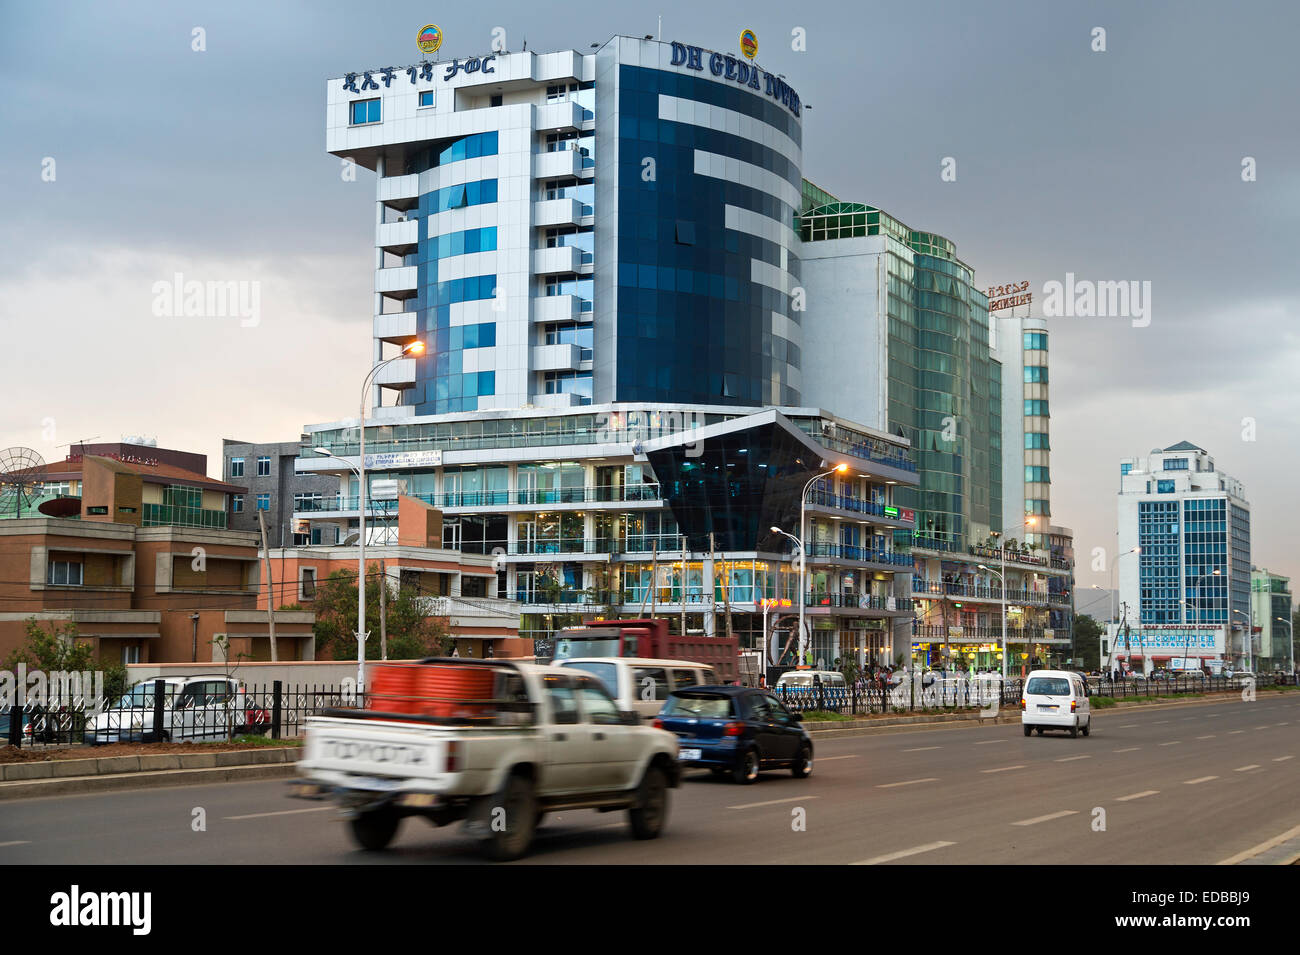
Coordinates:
1185	591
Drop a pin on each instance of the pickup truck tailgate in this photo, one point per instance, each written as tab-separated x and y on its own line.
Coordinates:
361	752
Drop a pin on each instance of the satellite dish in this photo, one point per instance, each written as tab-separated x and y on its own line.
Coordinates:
498	553
351	539
60	507
22	480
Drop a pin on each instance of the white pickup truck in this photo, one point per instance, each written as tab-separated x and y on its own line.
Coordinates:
542	739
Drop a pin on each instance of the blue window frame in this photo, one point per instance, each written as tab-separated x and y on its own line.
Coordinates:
1036	406
1125	468
1175	464
1165	487
263	502
1035	341
365	111
1036	441
426	98
1036	374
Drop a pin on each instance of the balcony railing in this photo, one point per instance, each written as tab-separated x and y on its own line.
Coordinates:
858	601
932	632
853	552
1041	560
666	544
843	502
943	588
598	494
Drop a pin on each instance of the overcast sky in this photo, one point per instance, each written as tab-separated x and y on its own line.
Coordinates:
1122	165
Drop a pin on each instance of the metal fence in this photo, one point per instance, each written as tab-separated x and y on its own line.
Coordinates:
156	712
866	698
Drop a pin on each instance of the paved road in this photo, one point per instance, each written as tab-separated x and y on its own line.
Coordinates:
1189	784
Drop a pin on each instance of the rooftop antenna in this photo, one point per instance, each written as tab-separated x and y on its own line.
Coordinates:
661	27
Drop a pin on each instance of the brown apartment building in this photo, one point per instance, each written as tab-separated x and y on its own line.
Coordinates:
142	564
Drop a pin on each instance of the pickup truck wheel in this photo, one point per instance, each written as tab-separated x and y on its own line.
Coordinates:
511	833
746	769
648	817
802	766
374	830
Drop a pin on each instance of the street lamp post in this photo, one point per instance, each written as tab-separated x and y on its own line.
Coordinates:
1002	585
1114	602
414	348
1188	642
803	555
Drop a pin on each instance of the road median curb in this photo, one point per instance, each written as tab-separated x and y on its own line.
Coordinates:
79	772
67	785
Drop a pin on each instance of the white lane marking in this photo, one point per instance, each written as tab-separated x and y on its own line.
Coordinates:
908	782
1128	749
1172	742
1211	736
1282	759
1050	815
827	759
1199	779
985	742
1070	759
1141	795
283	812
1261	727
16	842
1235	732
1283	723
771	802
1003	769
904	853
921	749
1262	847
1242	769
1128	726
1160	721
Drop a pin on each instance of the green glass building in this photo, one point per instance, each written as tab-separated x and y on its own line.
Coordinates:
899	316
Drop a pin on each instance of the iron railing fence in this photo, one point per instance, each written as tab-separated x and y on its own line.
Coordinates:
198	713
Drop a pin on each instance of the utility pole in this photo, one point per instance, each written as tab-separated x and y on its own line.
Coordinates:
270	585
383	610
683	585
654	574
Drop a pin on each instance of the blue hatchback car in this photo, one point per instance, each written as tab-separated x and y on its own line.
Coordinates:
736	729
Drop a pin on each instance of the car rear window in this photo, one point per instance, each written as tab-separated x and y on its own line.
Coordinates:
698	706
607	673
1048	686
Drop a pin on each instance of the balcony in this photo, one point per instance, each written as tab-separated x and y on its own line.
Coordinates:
556	357
887	604
524	497
556	308
840	502
399	281
558	212
559	399
560	260
558	117
397	374
933	633
399	238
396	327
862	554
560	164
399	192
942	588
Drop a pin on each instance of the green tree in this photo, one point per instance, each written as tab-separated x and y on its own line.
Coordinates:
412	633
1087	639
61	648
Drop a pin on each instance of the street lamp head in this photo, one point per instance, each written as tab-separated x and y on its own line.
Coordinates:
415	348
776	530
324	451
985	567
841	468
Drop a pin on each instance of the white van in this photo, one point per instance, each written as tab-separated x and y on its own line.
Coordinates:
1055	699
810	677
641	684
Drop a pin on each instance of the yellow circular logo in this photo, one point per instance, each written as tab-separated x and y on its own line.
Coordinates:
749	43
429	38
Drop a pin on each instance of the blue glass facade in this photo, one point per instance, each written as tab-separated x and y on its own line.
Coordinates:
1159	562
692	325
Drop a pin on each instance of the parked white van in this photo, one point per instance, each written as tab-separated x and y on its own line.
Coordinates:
641	684
1055	699
811	678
